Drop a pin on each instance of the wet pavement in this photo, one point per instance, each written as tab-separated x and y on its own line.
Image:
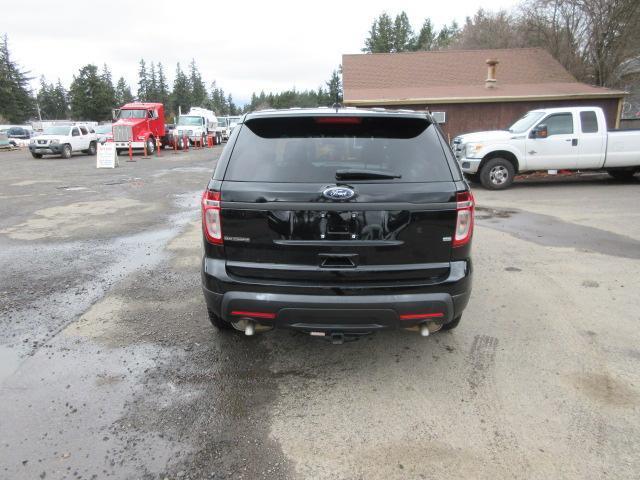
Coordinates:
110	369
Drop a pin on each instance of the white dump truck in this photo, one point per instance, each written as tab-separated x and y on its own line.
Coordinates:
197	124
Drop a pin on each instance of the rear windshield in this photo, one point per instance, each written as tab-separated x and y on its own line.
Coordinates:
313	149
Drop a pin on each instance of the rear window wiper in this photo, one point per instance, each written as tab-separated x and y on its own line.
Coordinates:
364	175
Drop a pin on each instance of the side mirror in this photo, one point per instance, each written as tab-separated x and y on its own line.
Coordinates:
114	114
540	131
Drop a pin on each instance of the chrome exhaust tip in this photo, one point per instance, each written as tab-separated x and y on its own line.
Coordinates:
249	329
424	330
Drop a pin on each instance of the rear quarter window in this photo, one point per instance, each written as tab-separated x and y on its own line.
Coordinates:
306	149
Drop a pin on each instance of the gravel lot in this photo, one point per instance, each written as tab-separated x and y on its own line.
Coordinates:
109	367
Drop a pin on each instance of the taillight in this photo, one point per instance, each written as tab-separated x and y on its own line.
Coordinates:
464	223
211	221
339	120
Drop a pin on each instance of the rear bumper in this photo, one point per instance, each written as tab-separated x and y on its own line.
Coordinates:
337	309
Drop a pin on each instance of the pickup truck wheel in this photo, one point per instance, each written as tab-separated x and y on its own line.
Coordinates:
472	177
151	146
622	174
36	155
452	324
217	322
92	149
497	174
66	151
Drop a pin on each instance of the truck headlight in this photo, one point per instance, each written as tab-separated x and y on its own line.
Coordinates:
54	142
472	149
32	141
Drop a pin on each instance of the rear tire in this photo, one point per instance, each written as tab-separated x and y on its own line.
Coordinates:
66	151
621	174
497	174
217	322
452	324
36	155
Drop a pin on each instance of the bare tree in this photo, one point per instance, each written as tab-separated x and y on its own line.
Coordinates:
490	30
591	38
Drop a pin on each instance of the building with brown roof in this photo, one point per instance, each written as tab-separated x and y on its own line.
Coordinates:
476	89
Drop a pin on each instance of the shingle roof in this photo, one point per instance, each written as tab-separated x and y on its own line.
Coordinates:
457	75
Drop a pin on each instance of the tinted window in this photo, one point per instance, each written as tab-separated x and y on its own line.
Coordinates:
588	122
84	131
309	149
560	124
75	133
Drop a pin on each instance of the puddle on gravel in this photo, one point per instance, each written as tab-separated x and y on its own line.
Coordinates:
552	232
34	321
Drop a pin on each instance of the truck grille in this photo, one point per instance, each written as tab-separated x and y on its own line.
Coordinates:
458	147
122	133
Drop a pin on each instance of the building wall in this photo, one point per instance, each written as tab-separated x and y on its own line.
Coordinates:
474	117
630	123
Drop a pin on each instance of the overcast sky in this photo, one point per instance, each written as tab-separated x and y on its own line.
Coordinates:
245	46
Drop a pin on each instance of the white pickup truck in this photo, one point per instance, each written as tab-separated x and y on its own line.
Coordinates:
63	141
574	138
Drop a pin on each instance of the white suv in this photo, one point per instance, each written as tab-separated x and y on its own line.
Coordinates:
63	141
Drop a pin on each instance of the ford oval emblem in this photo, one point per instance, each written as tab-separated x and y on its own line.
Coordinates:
338	193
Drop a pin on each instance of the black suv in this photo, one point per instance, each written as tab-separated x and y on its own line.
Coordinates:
337	222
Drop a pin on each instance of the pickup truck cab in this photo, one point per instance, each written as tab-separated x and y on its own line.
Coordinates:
63	141
573	138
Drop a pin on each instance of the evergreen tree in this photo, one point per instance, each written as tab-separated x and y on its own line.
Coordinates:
381	35
426	39
143	82
106	96
152	94
198	90
61	101
45	100
89	98
52	101
335	88
181	95
447	35
232	109
123	93
162	87
16	101
402	34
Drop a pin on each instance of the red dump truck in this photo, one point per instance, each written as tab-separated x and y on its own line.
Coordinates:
139	123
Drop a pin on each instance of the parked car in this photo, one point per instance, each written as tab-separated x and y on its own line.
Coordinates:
63	141
337	224
104	133
20	133
549	139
